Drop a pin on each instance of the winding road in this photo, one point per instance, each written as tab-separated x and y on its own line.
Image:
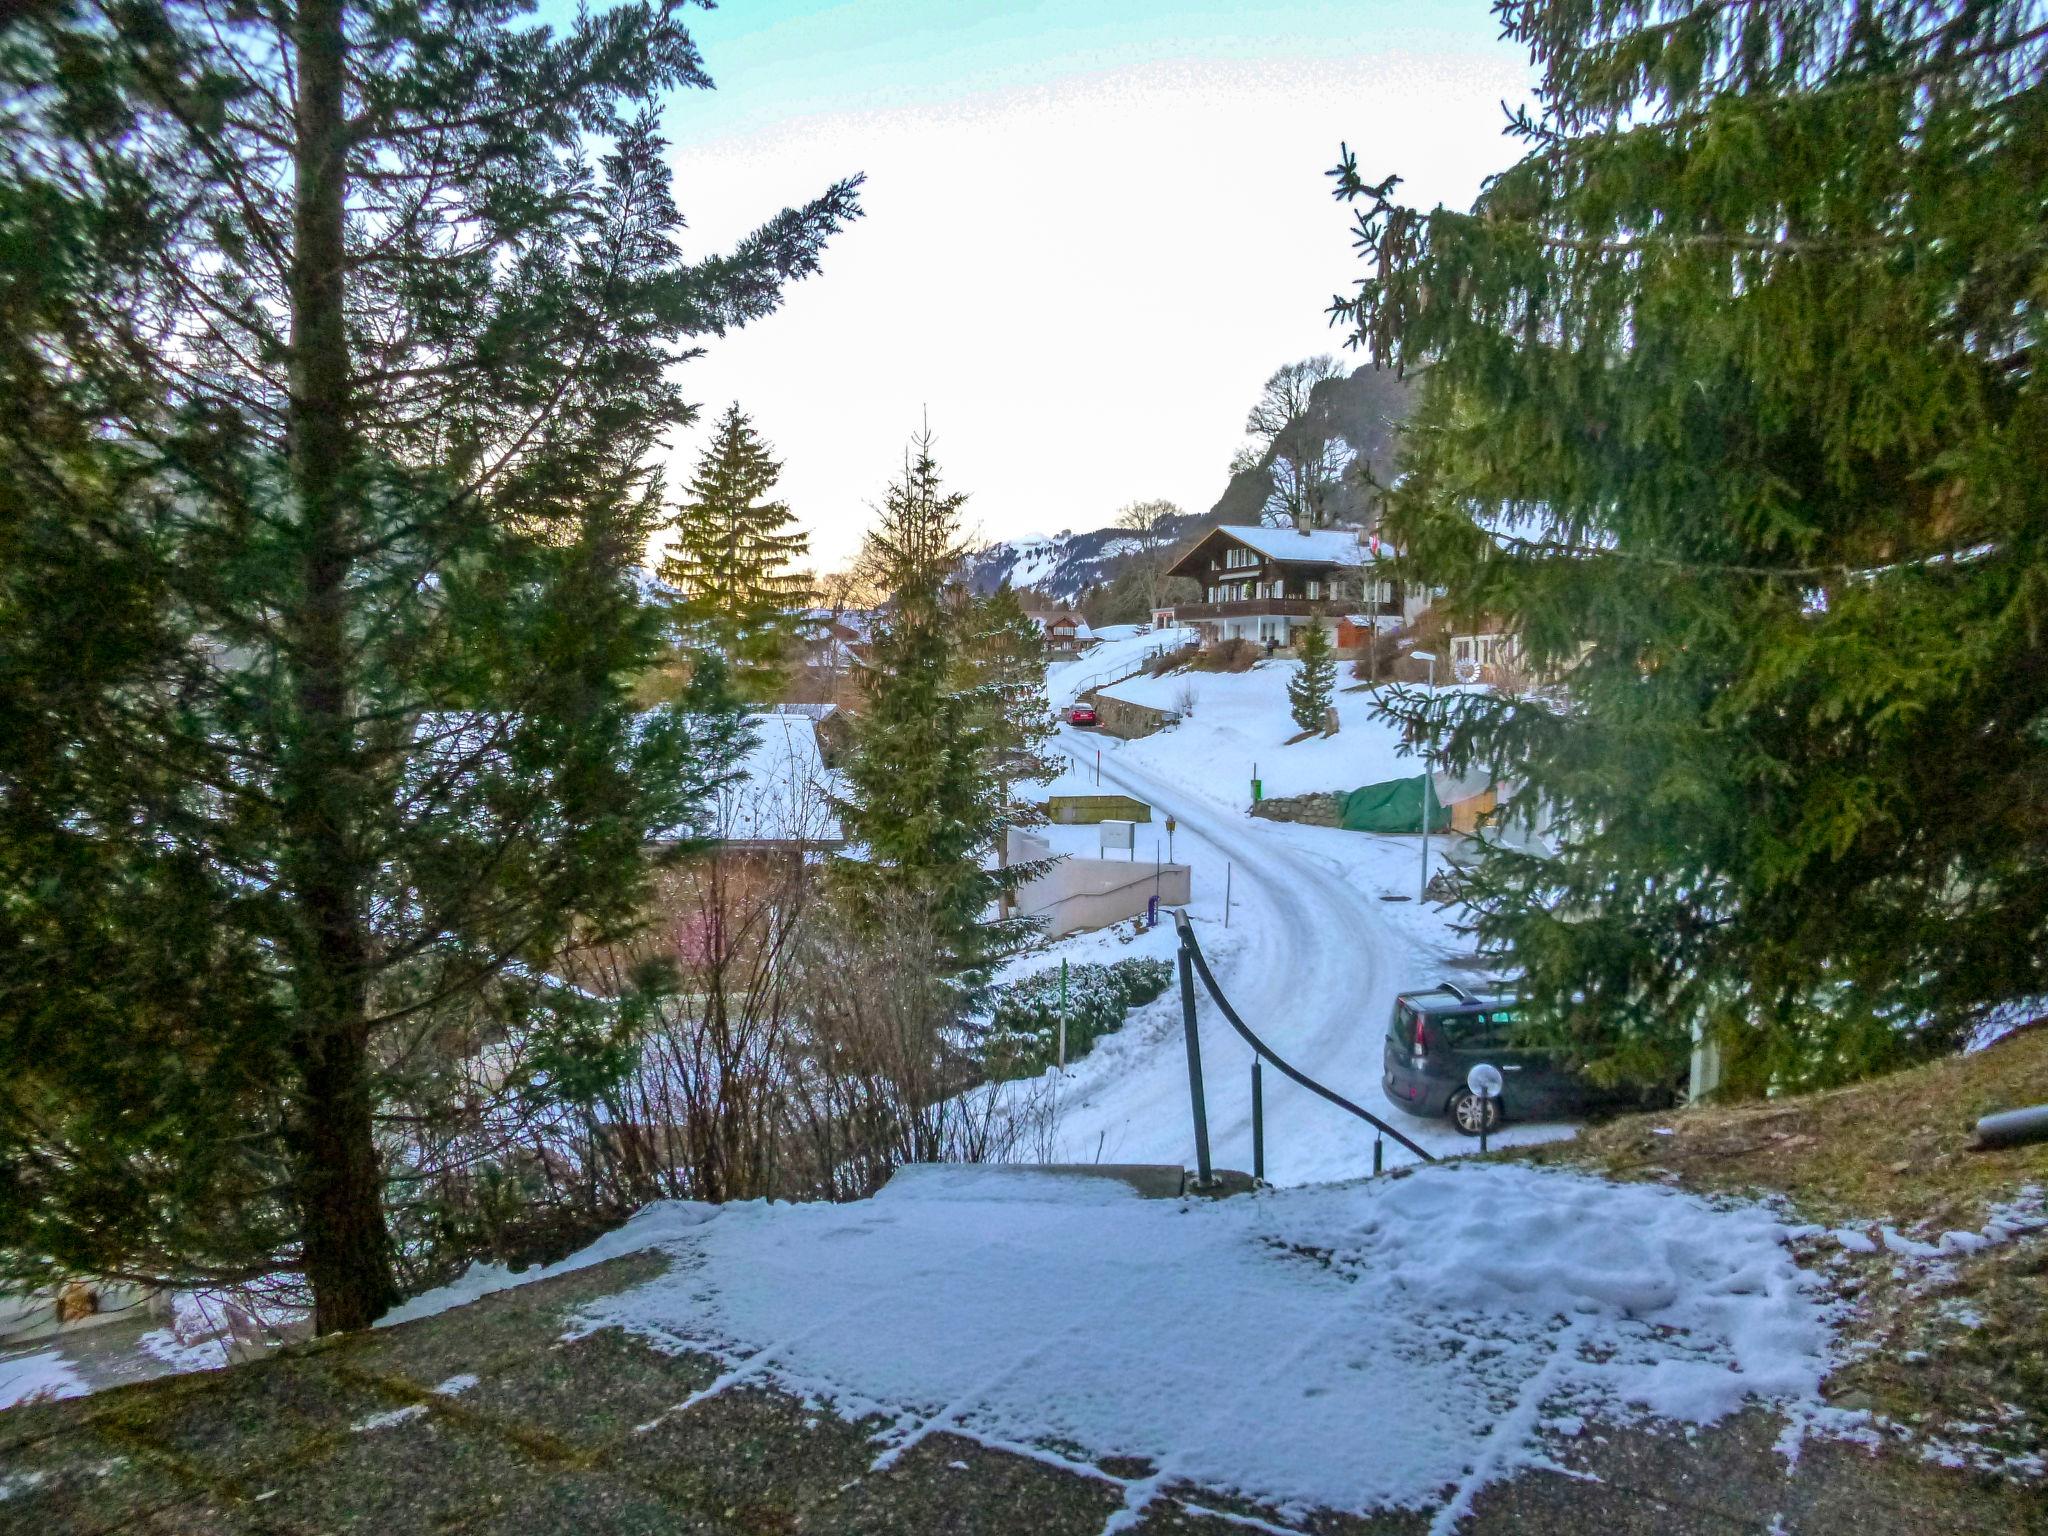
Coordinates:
1310	962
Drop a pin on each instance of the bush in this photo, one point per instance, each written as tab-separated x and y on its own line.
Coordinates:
1169	661
1230	656
1021	1038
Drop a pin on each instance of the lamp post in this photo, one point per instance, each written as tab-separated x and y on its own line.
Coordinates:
1422	894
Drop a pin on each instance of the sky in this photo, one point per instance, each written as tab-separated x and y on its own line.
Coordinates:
1092	228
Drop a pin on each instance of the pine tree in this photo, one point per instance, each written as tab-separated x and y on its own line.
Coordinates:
923	806
1734	413
1310	690
336	346
730	560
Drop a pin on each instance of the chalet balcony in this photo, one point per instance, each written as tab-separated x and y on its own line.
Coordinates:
1252	608
1281	608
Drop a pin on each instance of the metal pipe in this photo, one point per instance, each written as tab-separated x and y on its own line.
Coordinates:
1258	1120
2014	1127
1203	1175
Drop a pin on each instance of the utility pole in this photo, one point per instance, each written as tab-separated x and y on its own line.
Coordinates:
1422	894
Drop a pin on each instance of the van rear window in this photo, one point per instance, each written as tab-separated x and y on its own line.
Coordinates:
1478	1031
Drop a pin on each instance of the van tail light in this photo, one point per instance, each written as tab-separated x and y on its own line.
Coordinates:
1421	1035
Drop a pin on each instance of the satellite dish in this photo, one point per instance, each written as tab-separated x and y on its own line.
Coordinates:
1485	1080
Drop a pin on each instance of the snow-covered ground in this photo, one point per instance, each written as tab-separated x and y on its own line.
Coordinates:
1239	724
43	1372
1346	1347
1122	648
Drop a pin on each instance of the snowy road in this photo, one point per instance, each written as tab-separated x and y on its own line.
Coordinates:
1311	962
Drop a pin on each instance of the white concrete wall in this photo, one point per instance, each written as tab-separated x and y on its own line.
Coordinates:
1079	893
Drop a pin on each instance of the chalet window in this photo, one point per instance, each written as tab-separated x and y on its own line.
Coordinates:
1315	590
1238	559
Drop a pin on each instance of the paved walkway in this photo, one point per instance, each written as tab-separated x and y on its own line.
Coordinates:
485	1420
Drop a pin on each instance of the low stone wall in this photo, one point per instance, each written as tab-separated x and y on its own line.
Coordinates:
1318	810
1127	721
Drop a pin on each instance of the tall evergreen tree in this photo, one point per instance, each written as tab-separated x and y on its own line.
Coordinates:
923	803
336	339
1002	671
1310	690
1003	661
731	560
1735	413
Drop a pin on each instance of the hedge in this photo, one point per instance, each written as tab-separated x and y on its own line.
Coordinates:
1021	1037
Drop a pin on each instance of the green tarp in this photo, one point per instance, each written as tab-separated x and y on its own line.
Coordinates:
1395	806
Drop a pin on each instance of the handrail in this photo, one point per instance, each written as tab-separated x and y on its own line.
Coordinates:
1193	949
1102	679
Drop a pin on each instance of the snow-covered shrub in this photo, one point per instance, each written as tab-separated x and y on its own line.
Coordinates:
1022	1034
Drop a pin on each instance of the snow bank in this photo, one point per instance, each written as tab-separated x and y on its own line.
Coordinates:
44	1374
1346	1347
653	1227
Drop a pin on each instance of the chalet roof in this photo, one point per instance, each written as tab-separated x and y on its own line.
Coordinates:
1288	546
783	797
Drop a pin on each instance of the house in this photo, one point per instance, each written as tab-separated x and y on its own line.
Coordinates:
1265	584
1485	656
782	803
1064	633
835	644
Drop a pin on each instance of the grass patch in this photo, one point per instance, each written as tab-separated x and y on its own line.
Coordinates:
1951	1352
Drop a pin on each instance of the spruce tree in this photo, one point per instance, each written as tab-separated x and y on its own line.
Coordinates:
730	560
1734	413
923	806
1310	690
1002	672
336	341
1003	660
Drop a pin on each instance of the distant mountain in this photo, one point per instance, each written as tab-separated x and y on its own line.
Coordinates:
1365	410
1065	564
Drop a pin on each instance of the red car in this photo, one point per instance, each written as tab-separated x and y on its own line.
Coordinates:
1081	714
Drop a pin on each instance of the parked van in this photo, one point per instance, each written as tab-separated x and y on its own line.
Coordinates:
1436	1037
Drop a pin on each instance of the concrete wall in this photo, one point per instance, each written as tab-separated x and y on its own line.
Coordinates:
1086	810
1083	893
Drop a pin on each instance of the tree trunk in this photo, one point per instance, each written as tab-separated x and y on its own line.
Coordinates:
338	1185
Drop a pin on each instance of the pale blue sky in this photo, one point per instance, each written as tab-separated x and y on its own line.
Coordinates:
1093	228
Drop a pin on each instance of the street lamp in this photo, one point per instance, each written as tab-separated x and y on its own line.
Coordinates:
1423	893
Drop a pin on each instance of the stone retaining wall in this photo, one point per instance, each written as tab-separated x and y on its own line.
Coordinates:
1318	810
1121	718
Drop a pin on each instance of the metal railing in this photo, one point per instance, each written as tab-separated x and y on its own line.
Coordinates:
1108	675
1193	964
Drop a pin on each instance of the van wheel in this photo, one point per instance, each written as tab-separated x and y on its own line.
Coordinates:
1468	1109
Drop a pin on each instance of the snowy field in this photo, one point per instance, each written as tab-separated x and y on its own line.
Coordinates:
1240	723
1392	1342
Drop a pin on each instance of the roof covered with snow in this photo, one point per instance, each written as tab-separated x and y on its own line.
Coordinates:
784	796
1317	546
